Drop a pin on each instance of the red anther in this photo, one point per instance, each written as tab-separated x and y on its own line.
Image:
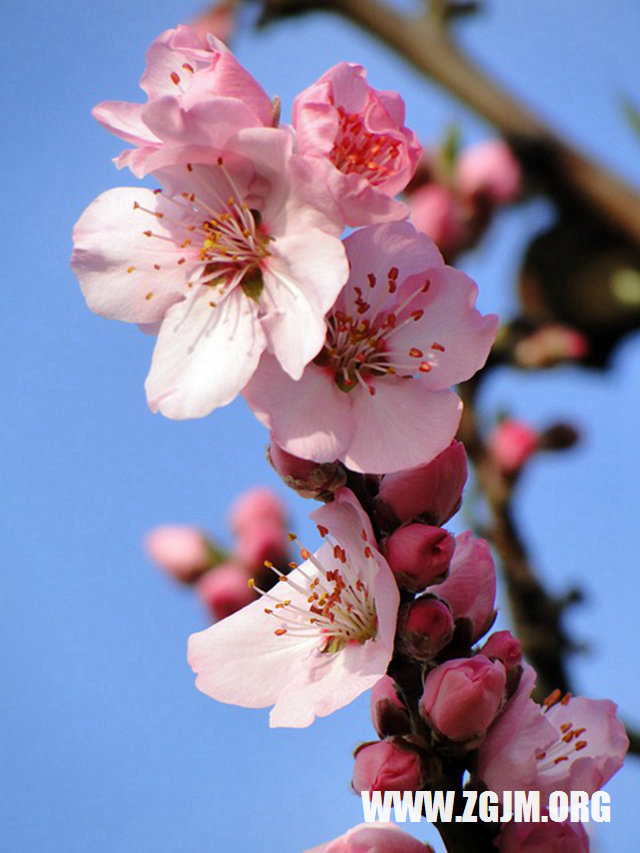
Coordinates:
323	531
188	67
372	279
425	367
175	79
414	352
438	347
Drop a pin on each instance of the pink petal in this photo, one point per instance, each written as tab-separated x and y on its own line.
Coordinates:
109	241
451	321
401	426
125	120
204	355
310	418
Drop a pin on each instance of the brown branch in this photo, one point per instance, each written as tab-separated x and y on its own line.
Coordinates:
566	174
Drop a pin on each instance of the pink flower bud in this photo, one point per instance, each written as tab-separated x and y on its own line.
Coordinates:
225	589
433	491
542	838
265	540
462	697
470	589
218	21
419	555
386	765
436	212
308	479
503	646
425	627
489	170
255	506
550	345
182	551
388	714
511	444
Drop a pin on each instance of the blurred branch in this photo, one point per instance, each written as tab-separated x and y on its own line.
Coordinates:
566	174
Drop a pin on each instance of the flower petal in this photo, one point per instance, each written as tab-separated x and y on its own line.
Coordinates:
402	425
204	355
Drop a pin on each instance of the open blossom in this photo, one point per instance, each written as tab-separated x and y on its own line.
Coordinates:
190	86
361	131
231	259
570	743
318	639
373	838
402	332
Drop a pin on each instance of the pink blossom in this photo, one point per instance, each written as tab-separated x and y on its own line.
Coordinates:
308	479
190	87
361	131
373	838
181	550
462	697
542	838
425	627
419	555
572	743
266	540
436	212
403	330
470	588
511	444
230	260
323	638
432	491
503	646
225	589
387	765
255	506
489	169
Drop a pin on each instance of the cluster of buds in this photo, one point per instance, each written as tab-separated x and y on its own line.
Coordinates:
222	579
454	196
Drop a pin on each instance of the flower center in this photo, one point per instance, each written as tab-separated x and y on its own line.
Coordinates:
569	741
360	341
222	238
333	604
358	151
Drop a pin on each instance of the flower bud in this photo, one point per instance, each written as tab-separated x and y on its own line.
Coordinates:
503	646
425	627
432	491
419	555
436	212
255	506
462	697
559	437
549	345
489	170
308	479
470	589
511	444
225	589
265	540
182	551
388	714
386	765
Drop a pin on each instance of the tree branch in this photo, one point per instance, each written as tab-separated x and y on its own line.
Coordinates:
564	173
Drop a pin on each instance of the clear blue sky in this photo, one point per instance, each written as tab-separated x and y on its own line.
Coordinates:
107	745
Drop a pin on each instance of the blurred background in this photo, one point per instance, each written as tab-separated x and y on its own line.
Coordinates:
107	745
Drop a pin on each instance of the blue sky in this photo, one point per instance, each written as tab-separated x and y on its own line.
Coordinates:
108	747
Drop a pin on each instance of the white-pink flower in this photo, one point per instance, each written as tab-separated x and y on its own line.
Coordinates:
321	637
187	85
232	259
571	743
402	332
361	131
